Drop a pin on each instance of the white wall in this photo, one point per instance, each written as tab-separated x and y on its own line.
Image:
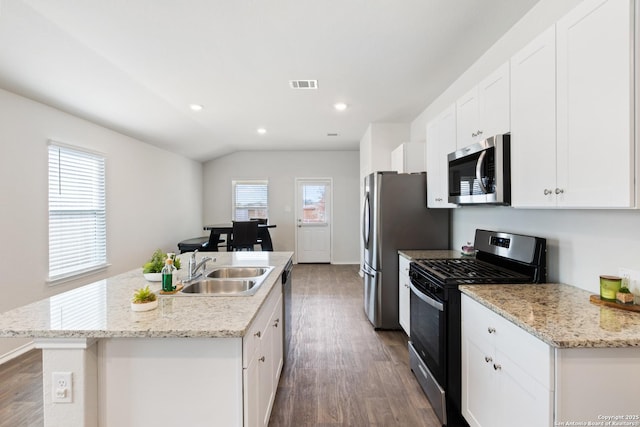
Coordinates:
281	168
154	198
582	243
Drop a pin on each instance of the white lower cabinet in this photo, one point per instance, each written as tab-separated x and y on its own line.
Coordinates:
263	363
510	377
507	374
404	294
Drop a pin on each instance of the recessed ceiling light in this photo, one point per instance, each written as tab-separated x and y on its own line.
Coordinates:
262	131
340	106
196	107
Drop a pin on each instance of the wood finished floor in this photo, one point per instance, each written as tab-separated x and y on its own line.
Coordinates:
21	391
340	372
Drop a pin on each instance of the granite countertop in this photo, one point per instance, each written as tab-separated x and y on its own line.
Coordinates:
559	314
102	309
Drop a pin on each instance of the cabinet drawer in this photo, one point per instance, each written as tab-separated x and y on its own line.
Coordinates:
477	325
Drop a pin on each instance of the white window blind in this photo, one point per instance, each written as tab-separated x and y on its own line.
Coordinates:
250	199
77	214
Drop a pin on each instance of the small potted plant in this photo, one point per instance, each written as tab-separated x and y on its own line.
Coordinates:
152	269
144	300
624	296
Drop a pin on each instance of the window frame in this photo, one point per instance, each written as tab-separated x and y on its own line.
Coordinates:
234	205
91	210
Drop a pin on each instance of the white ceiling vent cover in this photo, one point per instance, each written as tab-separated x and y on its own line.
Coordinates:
303	84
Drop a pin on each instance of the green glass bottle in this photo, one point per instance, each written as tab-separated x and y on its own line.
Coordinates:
167	276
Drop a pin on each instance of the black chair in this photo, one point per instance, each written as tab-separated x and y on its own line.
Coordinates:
244	235
264	237
213	243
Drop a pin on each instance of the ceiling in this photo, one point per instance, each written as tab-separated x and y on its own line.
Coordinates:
135	66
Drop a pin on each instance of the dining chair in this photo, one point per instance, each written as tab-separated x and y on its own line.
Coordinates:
213	243
244	235
263	232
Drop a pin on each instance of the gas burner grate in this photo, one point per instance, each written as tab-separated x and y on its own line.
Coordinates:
469	271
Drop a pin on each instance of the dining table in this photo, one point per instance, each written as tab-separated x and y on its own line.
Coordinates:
226	228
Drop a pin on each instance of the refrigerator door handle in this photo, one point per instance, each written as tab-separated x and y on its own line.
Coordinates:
368	272
366	218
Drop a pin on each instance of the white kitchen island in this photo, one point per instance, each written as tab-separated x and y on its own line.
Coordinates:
195	360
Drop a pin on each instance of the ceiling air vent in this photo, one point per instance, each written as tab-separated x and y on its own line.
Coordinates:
303	84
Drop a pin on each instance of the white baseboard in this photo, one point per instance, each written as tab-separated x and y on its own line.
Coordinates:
16	352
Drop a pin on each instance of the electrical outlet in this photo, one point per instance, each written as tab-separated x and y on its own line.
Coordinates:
62	387
633	277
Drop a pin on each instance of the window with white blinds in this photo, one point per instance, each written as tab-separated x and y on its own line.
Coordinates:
77	213
250	199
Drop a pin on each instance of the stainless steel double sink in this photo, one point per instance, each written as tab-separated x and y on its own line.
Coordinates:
227	281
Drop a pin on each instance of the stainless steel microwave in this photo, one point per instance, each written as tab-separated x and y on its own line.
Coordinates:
481	173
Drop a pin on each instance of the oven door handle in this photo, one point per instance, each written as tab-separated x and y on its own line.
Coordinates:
432	302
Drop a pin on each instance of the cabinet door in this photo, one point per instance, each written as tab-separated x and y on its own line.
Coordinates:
251	394
441	140
277	345
467	118
595	105
520	399
404	293
533	123
493	104
265	376
479	404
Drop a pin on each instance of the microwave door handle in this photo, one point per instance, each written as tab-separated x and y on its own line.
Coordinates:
479	171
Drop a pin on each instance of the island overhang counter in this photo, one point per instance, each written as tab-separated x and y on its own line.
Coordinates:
191	361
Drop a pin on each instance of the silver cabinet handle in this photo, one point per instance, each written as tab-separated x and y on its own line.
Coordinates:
488	359
257	334
559	191
491	330
547	192
275	324
496	367
479	133
262	359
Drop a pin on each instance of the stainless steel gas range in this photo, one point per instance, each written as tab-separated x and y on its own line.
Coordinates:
434	349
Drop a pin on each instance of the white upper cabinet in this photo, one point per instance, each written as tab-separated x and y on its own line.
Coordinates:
441	140
533	123
595	95
484	111
408	158
580	154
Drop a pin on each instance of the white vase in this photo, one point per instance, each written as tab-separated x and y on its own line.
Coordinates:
144	306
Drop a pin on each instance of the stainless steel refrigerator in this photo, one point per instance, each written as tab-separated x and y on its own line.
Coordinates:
395	216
